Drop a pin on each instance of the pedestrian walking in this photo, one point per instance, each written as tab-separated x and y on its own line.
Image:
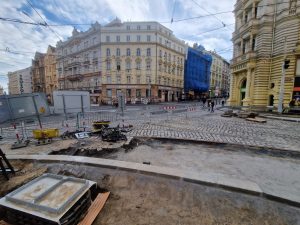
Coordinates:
212	106
223	102
203	101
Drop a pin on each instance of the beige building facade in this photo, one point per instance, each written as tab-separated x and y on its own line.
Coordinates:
38	73
20	81
219	75
51	81
78	62
141	60
266	33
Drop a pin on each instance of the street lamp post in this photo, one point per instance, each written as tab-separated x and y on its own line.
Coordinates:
149	87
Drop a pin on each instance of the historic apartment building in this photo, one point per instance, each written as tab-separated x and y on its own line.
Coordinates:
79	62
219	76
51	80
266	33
20	81
38	73
141	60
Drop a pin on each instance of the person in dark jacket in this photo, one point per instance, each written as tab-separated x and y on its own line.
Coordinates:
212	104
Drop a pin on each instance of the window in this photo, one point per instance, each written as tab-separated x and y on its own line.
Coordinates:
138	52
108	65
169	57
107	38
118	65
108	79
138	93
138	79
148	38
148	27
94	40
118	79
128	93
160	54
148	79
246	18
138	38
148	52
118	53
159	68
148	65
159	80
253	44
128	79
127	27
128	51
108	93
86	43
160	40
128	38
138	27
118	38
128	65
138	65
107	52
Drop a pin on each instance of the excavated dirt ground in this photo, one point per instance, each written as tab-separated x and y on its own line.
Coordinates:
138	199
25	173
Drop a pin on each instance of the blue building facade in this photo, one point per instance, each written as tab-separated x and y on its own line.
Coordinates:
197	71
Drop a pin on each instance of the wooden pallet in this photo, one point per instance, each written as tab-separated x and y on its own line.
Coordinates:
95	209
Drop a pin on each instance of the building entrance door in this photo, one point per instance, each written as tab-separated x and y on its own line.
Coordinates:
243	91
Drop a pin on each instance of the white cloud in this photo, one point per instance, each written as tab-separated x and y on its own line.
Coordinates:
27	38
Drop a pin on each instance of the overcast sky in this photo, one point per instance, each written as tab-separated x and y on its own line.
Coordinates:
26	39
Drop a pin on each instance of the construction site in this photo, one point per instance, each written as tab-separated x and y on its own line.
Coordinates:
125	168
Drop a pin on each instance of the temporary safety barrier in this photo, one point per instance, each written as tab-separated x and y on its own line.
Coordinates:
169	107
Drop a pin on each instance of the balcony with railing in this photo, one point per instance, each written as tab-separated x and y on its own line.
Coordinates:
244	57
75	77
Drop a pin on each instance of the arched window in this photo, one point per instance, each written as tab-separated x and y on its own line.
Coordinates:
128	51
118	53
138	52
148	52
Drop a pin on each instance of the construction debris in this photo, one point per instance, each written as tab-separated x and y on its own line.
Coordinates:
113	135
20	143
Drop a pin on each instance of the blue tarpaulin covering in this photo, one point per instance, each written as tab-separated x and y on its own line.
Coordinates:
197	70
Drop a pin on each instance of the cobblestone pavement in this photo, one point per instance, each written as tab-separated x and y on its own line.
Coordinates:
205	126
196	125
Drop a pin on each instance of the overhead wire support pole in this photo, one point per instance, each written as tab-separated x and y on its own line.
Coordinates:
281	90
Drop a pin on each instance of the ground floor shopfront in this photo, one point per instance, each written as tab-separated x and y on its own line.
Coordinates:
139	93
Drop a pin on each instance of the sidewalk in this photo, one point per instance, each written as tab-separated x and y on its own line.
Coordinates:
280	117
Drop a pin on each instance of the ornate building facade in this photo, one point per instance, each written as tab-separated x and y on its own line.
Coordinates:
51	81
141	60
266	34
38	73
79	62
